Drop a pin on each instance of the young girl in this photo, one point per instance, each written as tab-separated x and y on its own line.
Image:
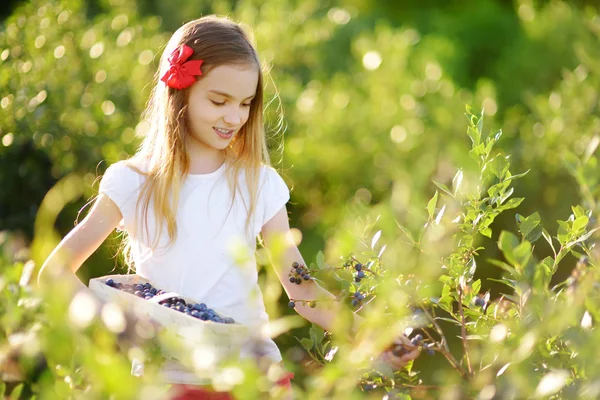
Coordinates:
200	190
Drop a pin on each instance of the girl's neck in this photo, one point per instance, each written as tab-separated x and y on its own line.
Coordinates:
205	163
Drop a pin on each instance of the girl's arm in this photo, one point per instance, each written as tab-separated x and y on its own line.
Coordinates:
80	243
326	311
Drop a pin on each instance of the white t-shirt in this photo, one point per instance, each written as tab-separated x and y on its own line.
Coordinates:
212	259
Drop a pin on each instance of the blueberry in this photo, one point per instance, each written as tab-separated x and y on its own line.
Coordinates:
110	282
199	306
306	277
418	338
147	285
355	303
153	291
295	264
139	293
195	314
291	304
292	279
356	279
356	295
360	274
298	281
204	316
479	302
229	320
358	267
361	296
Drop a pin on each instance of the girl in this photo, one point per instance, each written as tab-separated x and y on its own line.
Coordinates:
199	191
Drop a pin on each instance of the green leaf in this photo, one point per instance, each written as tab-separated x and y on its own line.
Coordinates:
443	188
507	242
476	286
316	334
406	232
548	238
320	260
431	205
16	392
486	232
452	321
306	343
531	227
580	223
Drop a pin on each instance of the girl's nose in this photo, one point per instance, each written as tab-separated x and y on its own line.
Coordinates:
233	118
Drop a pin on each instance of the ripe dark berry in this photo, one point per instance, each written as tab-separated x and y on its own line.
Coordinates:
139	293
292	279
355	302
429	347
360	274
306	277
356	279
358	267
418	338
295	264
298	281
110	282
291	304
479	301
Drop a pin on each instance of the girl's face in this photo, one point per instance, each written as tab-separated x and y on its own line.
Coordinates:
219	105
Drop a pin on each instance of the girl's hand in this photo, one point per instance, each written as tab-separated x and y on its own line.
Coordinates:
400	353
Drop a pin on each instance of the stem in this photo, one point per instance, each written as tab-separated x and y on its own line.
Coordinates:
445	350
463	329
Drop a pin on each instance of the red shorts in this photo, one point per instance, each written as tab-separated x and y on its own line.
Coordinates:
191	392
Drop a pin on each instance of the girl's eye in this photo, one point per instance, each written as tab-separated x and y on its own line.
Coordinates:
217	103
247	105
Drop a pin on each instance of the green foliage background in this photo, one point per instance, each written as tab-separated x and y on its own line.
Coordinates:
372	93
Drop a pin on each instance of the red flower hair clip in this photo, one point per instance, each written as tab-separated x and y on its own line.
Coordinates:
181	72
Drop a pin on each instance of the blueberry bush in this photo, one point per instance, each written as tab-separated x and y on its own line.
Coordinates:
452	240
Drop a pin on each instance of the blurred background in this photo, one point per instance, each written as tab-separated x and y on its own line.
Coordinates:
373	95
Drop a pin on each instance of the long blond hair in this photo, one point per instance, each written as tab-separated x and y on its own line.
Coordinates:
217	41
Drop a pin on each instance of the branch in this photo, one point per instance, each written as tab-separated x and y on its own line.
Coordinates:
444	350
463	329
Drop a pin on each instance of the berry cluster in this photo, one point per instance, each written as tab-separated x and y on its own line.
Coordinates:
145	291
311	304
196	310
360	274
417	341
357	299
299	273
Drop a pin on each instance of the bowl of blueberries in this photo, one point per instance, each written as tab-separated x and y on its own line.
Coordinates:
196	322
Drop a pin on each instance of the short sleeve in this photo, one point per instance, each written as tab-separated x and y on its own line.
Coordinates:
120	184
274	195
